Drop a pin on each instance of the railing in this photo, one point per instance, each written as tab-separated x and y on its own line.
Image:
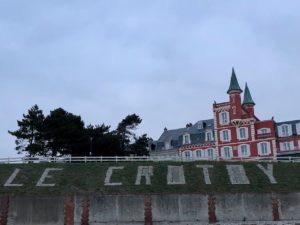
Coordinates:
117	159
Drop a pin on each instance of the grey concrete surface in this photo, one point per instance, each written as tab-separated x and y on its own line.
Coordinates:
243	207
175	209
289	206
36	211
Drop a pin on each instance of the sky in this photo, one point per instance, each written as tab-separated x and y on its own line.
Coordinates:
165	60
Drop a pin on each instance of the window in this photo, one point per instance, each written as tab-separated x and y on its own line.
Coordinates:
198	154
298	128
264	131
286	146
224	118
264	148
225	135
244	150
200	125
186	139
209	136
226	152
187	154
284	130
210	153
167	145
242	133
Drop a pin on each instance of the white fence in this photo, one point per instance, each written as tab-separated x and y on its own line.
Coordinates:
116	159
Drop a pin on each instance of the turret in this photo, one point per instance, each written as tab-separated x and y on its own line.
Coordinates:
248	102
234	92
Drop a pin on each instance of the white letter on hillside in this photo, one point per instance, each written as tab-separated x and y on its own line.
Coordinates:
9	181
45	175
175	175
268	172
144	171
109	174
237	174
205	172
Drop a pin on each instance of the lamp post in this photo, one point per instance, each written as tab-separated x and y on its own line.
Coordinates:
91	146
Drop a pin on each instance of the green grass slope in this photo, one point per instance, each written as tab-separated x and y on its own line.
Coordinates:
79	178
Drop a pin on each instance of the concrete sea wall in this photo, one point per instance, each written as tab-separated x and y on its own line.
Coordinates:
175	209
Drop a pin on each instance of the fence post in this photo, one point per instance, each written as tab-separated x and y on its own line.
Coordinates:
8	160
101	158
84	159
116	159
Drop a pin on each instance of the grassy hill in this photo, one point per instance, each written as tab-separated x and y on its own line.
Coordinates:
82	178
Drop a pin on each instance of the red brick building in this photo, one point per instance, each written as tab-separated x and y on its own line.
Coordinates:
235	132
238	131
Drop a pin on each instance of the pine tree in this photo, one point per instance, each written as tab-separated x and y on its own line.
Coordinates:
29	137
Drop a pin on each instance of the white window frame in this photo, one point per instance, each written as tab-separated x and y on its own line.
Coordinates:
187	154
241	148
228	136
200	155
260	148
298	128
264	130
186	139
167	145
284	130
239	130
224	120
207	133
224	152
287	146
208	155
200	126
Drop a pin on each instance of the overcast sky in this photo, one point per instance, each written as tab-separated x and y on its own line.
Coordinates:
166	60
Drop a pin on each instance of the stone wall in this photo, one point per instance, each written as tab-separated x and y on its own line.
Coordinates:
175	209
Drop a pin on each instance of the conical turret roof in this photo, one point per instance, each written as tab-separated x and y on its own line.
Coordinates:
247	97
234	84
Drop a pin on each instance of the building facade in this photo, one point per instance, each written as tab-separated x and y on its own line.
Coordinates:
235	132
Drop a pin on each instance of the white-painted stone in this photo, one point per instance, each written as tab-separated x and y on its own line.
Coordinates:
237	174
175	175
269	172
205	172
144	171
109	173
10	180
46	175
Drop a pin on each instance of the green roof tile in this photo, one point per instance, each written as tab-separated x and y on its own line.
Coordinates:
234	84
247	97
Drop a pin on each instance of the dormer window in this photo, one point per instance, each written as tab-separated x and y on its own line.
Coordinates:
284	130
200	125
186	139
167	145
224	118
298	128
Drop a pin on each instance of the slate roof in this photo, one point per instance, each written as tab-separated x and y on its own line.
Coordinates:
234	84
291	122
247	97
175	136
